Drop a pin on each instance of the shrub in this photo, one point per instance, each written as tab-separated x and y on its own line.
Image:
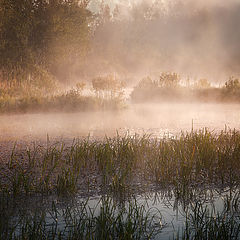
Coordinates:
232	84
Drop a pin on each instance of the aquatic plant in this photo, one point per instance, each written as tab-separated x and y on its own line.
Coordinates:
120	163
105	220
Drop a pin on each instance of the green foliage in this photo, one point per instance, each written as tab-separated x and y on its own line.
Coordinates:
41	34
195	158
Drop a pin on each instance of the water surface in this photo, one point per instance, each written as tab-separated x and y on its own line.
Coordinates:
155	119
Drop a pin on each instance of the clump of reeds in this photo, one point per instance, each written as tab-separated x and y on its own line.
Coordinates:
119	164
185	166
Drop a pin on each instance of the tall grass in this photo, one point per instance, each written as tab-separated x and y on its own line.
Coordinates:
120	164
205	223
186	166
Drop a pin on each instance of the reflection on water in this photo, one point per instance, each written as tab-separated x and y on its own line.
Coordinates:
155	119
170	214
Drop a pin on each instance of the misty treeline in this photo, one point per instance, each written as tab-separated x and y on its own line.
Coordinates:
194	38
171	87
39	38
43	40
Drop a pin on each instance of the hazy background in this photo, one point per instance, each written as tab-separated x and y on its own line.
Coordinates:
156	120
132	39
145	37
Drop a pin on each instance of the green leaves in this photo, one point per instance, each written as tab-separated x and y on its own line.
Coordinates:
47	34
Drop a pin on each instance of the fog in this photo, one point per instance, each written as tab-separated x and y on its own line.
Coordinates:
198	39
133	39
158	120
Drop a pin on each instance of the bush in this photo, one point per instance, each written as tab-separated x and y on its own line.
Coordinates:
232	84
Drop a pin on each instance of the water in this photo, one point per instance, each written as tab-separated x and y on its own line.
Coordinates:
170	220
154	119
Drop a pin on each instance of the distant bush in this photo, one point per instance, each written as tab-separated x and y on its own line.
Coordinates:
202	83
71	101
158	89
80	86
233	84
108	87
168	88
165	80
169	80
147	83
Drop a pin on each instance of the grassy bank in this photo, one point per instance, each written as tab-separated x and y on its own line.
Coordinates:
24	98
66	102
183	94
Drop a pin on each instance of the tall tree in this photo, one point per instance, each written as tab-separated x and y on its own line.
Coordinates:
49	35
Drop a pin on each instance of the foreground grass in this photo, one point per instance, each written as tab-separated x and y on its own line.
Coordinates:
183	168
203	222
105	220
117	164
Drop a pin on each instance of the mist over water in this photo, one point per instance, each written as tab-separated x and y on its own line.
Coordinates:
158	120
145	59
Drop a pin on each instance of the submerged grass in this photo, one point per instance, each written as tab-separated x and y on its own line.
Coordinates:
105	220
185	166
120	164
205	223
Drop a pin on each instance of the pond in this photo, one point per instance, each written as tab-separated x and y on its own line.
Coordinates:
155	119
174	211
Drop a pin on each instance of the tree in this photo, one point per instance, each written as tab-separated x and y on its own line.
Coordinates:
107	86
48	35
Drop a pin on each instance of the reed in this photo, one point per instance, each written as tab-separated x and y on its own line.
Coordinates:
119	164
105	220
203	223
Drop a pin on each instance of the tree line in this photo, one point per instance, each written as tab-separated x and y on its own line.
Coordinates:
42	38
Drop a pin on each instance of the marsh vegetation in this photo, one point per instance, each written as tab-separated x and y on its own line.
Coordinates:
118	120
170	87
191	173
